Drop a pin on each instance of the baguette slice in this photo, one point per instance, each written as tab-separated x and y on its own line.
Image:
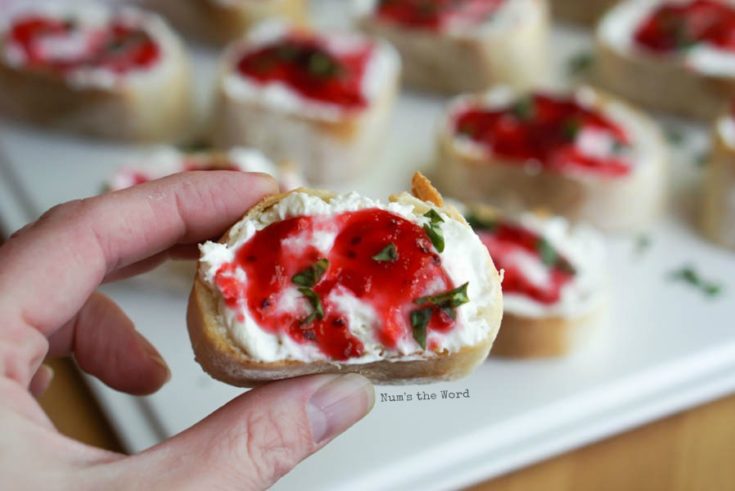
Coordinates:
164	161
509	46
78	87
331	140
543	318
696	81
221	21
471	171
718	195
221	351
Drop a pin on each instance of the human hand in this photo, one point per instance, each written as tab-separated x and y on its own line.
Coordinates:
48	306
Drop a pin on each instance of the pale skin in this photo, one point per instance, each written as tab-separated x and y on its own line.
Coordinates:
49	306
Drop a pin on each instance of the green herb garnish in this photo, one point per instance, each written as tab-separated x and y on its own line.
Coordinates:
419	322
642	244
524	108
570	129
433	230
447	300
674	136
580	63
478	223
316	305
322	65
546	251
388	254
310	276
689	275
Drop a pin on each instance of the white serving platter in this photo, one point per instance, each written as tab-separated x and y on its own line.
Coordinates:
665	347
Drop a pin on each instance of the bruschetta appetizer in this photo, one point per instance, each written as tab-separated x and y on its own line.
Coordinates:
672	56
315	282
321	100
554	281
165	161
454	46
115	73
582	155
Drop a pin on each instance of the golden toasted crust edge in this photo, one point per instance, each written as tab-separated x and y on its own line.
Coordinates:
219	357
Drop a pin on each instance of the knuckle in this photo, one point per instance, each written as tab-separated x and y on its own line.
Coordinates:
275	442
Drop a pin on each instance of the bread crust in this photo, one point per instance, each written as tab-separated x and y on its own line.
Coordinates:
626	203
217	354
582	12
156	111
454	63
213	23
543	337
718	193
661	84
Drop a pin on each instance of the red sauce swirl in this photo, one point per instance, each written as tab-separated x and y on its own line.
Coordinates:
270	259
309	67
546	130
117	47
436	14
677	26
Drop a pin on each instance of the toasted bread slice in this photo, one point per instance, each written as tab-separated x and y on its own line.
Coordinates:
221	353
95	96
536	325
619	203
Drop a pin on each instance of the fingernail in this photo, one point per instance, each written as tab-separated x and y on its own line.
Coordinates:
339	404
155	357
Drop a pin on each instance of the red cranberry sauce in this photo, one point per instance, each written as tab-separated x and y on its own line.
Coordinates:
676	26
308	66
436	14
356	265
547	130
63	45
513	248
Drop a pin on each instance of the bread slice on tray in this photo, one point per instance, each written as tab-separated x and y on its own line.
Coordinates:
321	100
583	155
554	281
457	46
676	57
118	73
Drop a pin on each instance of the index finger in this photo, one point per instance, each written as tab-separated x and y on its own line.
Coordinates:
48	271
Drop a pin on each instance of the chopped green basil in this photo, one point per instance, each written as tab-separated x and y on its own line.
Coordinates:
419	322
546	251
642	243
322	65
478	223
388	254
690	276
580	63
524	108
570	129
674	136
316	305
433	230
449	299
310	276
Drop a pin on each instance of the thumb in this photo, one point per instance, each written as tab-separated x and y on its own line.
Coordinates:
258	437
